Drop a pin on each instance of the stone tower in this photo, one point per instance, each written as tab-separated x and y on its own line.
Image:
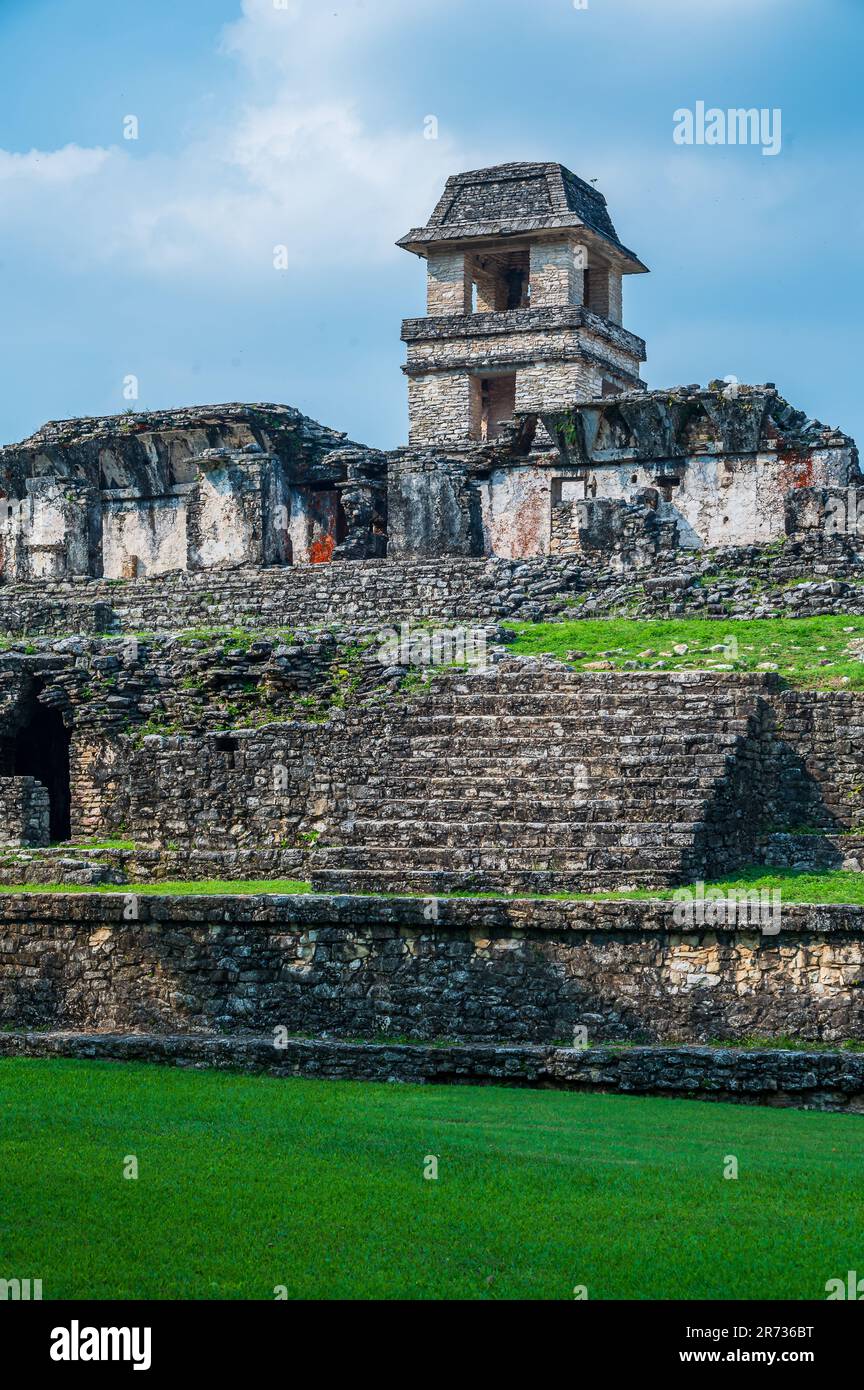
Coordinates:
523	303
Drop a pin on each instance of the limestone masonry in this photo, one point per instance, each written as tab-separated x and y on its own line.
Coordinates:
203	676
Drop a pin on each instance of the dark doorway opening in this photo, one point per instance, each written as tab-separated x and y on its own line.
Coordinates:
41	750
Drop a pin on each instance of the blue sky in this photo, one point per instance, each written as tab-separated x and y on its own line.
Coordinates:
302	126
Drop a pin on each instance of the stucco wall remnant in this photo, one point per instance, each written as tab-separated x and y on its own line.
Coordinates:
211	487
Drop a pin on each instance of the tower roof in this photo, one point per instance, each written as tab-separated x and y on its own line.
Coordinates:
514	199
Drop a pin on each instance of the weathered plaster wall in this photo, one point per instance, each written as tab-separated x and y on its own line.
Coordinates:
142	537
516	512
203	488
715	499
48	532
433	508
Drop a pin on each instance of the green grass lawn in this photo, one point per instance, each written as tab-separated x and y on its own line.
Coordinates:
796	886
810	652
248	1183
168	888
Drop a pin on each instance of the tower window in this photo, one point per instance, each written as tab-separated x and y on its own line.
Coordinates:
493	401
501	282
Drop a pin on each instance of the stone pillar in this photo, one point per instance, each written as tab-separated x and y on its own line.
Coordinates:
25	812
605	292
448	287
557	273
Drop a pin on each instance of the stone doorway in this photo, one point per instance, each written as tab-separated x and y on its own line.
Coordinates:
40	750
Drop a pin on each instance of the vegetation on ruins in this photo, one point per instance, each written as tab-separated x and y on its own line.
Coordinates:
814	653
796	886
170	887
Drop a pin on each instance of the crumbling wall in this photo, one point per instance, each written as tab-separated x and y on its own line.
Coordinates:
24	812
143	536
516	512
433	507
203	488
727	464
49	531
315	525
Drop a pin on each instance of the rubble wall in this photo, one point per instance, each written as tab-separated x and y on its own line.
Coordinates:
527	972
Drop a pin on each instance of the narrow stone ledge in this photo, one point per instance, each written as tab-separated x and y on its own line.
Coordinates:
304	910
806	1080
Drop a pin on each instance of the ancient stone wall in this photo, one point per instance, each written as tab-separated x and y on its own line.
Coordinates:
204	488
24	811
727	761
559	354
813	575
481	971
810	1080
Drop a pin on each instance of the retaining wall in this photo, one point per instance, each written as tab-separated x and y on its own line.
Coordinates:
471	970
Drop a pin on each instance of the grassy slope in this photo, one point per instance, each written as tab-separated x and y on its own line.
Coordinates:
793	645
247	1183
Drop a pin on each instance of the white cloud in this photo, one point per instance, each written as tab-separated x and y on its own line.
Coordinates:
299	160
51	166
295	165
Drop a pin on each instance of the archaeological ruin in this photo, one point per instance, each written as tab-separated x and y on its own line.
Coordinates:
234	653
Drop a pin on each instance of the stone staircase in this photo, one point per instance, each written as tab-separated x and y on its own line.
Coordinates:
529	777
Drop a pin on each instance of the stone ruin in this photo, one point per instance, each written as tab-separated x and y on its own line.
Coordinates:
531	433
211	620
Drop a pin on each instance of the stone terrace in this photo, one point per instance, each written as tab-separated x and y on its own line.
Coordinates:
533	778
813	576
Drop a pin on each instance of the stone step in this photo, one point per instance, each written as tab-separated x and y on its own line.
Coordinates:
538	674
551	859
515	754
619	777
537	882
23	867
625	789
576	698
570	808
641	725
559	836
492	732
